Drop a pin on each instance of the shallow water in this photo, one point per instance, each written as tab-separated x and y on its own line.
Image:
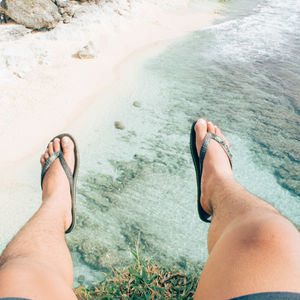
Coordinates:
139	183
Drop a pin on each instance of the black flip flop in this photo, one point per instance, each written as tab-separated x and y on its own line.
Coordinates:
71	177
198	163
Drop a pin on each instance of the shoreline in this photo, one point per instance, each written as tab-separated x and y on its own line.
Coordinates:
50	98
42	89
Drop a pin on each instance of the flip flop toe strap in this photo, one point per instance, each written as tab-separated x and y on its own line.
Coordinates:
67	171
50	161
205	216
224	146
48	164
205	145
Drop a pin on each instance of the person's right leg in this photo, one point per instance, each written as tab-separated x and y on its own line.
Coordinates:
37	263
252	247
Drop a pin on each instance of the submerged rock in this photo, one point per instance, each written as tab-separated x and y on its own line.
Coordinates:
81	279
34	14
119	125
137	104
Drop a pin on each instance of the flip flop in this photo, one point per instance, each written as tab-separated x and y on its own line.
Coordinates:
71	177
198	164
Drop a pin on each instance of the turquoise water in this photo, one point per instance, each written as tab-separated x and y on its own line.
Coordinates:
242	73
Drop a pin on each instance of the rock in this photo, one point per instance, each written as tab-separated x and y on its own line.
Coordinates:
61	10
19	75
2	18
81	279
119	125
62	3
87	52
34	14
66	10
69	11
136	104
66	19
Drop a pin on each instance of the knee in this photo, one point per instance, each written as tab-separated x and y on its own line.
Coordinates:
270	231
30	280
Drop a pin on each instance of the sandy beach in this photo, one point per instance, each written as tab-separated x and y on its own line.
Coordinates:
44	89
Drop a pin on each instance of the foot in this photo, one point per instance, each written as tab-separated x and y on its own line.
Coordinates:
216	165
56	188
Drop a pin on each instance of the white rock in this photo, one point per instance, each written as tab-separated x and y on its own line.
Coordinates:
87	52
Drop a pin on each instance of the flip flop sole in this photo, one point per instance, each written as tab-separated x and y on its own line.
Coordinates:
204	216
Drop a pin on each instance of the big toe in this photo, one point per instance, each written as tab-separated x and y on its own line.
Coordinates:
201	131
67	144
68	151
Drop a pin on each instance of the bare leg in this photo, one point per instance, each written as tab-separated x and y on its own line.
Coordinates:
252	247
37	264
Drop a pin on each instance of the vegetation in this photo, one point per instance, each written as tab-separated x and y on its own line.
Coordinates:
142	280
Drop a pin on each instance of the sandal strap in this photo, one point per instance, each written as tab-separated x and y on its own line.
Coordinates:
66	168
68	172
48	164
205	145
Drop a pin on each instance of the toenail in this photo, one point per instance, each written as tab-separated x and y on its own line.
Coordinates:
202	121
65	142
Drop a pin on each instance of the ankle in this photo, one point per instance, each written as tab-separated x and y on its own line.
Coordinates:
215	188
55	192
60	215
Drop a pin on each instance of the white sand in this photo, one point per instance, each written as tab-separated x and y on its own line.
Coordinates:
55	88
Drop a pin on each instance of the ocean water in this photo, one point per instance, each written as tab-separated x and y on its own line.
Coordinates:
139	183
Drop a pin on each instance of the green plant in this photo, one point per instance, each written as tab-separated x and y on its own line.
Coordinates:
142	280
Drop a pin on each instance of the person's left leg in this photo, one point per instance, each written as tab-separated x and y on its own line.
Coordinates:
37	264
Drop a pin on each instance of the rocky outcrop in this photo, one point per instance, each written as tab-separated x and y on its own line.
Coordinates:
39	14
36	14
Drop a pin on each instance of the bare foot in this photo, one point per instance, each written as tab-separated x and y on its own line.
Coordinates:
216	165
56	188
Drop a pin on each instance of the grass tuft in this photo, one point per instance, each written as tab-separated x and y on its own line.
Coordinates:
141	280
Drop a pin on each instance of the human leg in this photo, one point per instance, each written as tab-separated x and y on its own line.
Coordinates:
252	247
37	264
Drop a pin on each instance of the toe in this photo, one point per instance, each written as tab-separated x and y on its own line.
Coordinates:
219	132
56	144
50	148
67	145
201	131
216	128
46	155
210	127
68	151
